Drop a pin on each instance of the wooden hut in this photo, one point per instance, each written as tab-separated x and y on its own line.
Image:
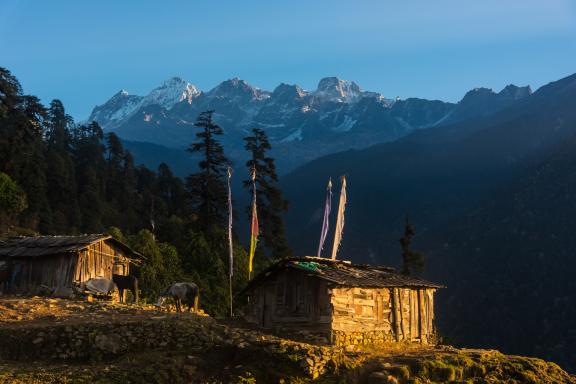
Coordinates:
61	265
348	303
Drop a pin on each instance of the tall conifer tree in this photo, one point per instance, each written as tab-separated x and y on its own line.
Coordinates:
412	261
22	151
207	188
271	202
60	172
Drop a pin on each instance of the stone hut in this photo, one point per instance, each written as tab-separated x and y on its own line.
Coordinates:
60	265
347	303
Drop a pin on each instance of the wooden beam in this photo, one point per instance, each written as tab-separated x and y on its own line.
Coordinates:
422	313
396	312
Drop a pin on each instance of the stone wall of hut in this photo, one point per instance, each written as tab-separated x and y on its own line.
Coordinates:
380	315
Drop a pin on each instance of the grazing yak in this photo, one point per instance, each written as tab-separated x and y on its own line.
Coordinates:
182	293
126	282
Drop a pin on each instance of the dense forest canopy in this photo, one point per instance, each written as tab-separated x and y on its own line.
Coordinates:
59	177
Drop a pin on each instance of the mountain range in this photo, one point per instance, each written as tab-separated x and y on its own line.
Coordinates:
302	125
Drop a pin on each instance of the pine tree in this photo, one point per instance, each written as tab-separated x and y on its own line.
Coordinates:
270	201
60	172
22	150
171	190
59	124
114	160
10	92
161	266
207	188
12	201
412	261
88	154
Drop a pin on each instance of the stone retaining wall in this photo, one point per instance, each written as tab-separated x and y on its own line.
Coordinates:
375	338
361	338
106	341
98	341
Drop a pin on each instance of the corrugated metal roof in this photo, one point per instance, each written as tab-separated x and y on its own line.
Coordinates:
51	245
344	273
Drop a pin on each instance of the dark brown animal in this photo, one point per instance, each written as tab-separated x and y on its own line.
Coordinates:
5	275
126	282
182	293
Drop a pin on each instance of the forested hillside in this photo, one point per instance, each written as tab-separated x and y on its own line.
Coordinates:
59	177
513	257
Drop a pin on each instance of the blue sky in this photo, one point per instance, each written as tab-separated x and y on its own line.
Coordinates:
83	52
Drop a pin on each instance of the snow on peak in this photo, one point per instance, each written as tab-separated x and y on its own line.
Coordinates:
123	105
337	90
118	96
171	92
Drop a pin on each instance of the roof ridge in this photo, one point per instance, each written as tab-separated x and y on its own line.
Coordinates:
58	236
26	246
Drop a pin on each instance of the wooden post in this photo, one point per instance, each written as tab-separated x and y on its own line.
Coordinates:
422	313
413	314
395	311
230	285
401	307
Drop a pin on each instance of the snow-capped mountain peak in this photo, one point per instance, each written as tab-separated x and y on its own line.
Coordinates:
116	109
171	92
337	90
123	105
338	115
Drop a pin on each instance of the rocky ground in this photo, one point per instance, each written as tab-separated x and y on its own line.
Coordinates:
25	311
62	341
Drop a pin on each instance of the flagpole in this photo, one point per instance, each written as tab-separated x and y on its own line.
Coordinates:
230	244
254	225
326	219
340	219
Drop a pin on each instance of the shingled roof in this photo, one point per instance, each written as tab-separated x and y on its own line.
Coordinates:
39	246
344	273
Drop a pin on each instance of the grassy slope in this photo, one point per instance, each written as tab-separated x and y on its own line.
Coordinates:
254	365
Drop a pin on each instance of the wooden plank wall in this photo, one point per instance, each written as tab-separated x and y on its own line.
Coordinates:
60	271
36	273
100	260
357	309
291	299
394	314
